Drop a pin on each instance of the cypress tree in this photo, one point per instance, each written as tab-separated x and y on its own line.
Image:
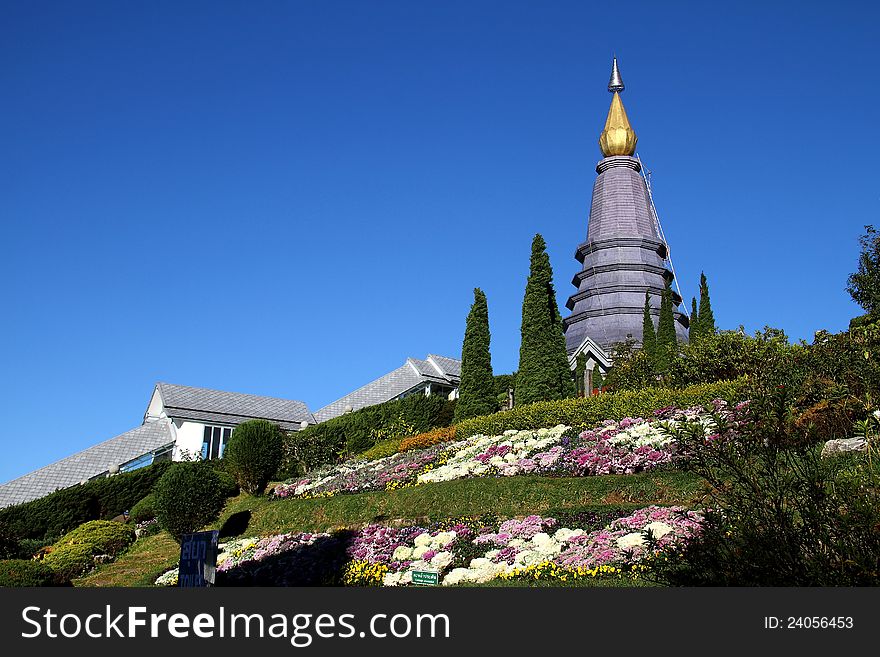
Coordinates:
649	337
543	373
580	373
476	392
694	329
666	339
707	318
598	381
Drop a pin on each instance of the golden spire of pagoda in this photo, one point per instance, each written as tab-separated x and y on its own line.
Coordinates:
618	137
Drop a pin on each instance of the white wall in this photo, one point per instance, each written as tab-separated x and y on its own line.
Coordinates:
189	439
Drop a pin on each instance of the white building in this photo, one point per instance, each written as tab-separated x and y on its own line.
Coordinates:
201	420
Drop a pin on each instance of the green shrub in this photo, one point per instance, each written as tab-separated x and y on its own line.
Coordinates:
74	554
28	547
22	572
254	454
591	411
10	546
51	516
724	356
70	561
352	433
783	515
105	536
228	485
143	510
382	449
187	497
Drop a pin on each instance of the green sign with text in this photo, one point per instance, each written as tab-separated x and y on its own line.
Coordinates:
426	577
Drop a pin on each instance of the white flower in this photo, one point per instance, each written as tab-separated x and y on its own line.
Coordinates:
419	551
565	534
658	529
443	538
441	560
877	414
423	540
630	541
402	553
455	576
392	579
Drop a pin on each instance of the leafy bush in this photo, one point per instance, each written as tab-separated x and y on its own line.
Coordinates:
715	357
22	572
143	510
228	485
9	543
254	454
51	516
382	449
187	497
591	411
782	515
352	433
70	561
74	554
434	437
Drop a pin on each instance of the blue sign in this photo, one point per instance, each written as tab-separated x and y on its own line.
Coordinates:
198	559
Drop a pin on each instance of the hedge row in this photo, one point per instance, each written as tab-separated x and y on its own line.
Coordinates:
353	433
591	411
49	517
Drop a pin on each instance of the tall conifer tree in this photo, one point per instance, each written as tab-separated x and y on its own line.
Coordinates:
476	392
666	339
707	318
649	337
694	329
543	372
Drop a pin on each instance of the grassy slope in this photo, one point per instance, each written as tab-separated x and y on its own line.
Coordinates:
506	496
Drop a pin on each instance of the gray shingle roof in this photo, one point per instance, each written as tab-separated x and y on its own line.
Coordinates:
451	366
87	463
410	375
202	404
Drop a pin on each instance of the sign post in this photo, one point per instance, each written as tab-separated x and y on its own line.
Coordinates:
198	559
426	577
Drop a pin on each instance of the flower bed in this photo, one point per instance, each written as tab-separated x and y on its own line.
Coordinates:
625	447
460	552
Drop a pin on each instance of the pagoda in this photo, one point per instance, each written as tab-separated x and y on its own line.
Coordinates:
624	254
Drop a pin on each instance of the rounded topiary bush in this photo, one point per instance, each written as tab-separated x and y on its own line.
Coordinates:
74	553
228	484
187	497
104	536
22	572
142	511
253	454
70	561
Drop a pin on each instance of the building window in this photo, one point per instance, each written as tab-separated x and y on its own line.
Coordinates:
214	442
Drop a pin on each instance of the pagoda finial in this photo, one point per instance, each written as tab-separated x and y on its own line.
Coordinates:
618	137
615	84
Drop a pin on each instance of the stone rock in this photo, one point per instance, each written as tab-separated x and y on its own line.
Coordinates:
843	445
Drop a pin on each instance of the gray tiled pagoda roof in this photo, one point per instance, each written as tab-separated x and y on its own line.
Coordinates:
622	258
205	405
412	374
88	463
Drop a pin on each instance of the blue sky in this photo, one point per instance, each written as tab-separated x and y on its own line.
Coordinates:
290	198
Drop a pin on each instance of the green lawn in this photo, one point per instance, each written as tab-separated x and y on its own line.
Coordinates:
505	496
